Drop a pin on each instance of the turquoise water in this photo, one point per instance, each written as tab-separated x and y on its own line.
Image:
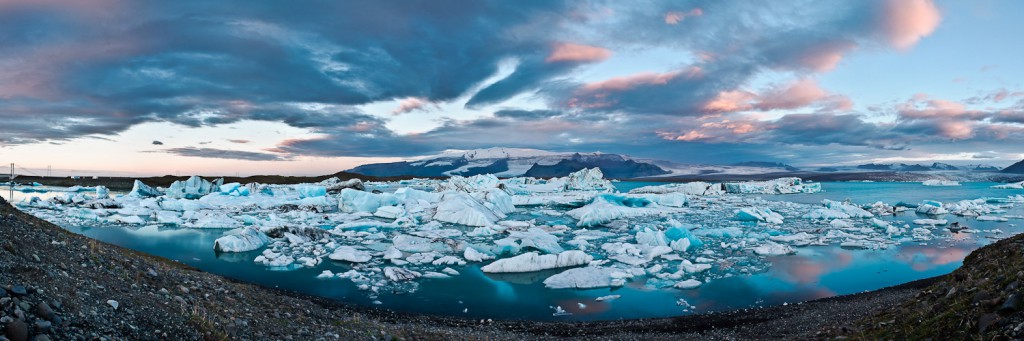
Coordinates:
815	272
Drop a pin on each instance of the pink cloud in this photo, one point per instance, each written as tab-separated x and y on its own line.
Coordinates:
907	21
825	57
569	52
410	104
799	94
675	17
640	79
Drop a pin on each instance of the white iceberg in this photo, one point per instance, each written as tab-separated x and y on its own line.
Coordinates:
936	182
350	254
532	261
241	240
777	186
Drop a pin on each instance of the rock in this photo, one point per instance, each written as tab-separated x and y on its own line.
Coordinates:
152	273
41	337
44	311
980	297
113	303
3	293
17	331
19	290
1012	305
43	326
986	321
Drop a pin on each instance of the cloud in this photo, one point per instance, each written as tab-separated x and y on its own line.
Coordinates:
570	52
158	143
904	22
409	105
675	17
239	141
214	153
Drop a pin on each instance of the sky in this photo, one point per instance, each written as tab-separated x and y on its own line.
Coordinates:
248	87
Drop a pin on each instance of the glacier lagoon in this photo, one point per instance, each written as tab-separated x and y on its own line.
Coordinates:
737	278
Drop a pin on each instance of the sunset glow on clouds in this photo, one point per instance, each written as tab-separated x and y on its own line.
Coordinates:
323	86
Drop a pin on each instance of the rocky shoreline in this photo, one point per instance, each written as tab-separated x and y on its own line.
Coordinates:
59	285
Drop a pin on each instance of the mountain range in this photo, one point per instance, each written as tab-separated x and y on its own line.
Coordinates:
512	162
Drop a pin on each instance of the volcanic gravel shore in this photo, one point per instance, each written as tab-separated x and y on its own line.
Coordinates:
58	285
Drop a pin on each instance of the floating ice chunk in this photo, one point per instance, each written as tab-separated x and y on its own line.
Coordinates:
327	274
588	179
335	185
310	191
274	259
102	192
758	214
234	189
168	218
142	190
930	221
560	312
1015	185
193	188
448	260
474	183
241	240
472	255
841	224
350	254
295	239
931	207
421	258
689	267
608	298
389	212
799	239
588	277
971	208
991	218
773	249
777	186
607	207
532	261
935	182
450	271
668	199
130	220
392	253
414	244
352	200
837	210
537	238
435	275
396	274
461	208
688	284
215	220
690	188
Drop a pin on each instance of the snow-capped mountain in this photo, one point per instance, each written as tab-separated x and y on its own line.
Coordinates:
511	162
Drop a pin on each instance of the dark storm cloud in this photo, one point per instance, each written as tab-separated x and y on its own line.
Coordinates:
224	154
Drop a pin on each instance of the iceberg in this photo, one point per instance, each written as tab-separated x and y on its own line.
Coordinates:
310	191
352	200
777	186
461	208
400	274
935	182
472	255
689	188
607	207
1015	185
142	190
773	249
350	254
930	221
688	284
588	179
532	261
931	207
102	192
193	188
758	214
241	240
588	278
837	210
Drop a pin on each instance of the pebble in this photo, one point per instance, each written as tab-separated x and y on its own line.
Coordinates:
19	290
3	293
41	337
113	303
43	326
44	311
1012	305
17	331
